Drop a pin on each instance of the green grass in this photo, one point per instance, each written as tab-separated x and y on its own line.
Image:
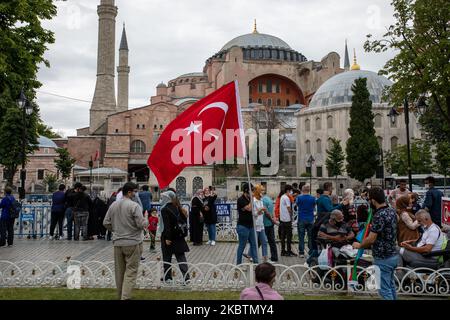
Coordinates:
110	294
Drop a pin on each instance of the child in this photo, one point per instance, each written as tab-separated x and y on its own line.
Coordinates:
152	227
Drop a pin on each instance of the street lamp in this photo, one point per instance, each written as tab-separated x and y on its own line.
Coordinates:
420	107
27	109
310	161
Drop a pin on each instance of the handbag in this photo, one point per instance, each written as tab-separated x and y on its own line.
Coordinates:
323	260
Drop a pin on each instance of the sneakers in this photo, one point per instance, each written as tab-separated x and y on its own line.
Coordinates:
142	258
213	243
302	256
209	242
50	238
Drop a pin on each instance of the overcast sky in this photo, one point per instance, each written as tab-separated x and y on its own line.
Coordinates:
170	38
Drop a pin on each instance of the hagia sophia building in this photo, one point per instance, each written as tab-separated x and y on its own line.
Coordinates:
311	99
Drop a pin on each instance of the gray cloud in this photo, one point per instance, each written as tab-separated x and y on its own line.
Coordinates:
169	38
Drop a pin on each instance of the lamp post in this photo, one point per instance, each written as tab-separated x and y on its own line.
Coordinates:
420	107
310	161
27	109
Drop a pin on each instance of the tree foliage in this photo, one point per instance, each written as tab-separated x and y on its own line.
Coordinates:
11	140
64	163
421	36
335	159
46	131
396	161
442	158
23	42
362	147
50	180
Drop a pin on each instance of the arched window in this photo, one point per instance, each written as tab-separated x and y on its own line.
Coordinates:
137	146
329	143
307	125
377	120
293	160
197	183
330	122
288	103
278	102
308	146
259	100
181	187
318	124
380	142
138	126
394	143
319	146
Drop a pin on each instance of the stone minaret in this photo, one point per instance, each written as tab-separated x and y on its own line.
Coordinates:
123	70
346	59
104	101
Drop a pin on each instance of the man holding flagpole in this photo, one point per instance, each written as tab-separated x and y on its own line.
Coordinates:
211	130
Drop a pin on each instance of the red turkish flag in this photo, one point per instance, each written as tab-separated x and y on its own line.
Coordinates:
209	131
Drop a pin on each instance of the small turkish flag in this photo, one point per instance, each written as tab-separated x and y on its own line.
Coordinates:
209	131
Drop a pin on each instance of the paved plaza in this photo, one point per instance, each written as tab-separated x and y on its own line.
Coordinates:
102	250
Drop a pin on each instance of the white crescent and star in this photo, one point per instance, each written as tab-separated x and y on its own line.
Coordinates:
193	128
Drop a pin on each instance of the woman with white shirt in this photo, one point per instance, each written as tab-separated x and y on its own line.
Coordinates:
259	210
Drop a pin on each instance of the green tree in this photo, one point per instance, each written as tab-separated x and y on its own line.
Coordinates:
335	159
64	163
46	131
23	42
362	147
396	161
443	159
50	181
11	140
421	67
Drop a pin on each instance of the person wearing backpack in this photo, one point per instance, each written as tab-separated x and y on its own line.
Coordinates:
173	235
8	216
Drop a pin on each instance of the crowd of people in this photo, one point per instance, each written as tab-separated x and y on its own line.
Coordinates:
401	233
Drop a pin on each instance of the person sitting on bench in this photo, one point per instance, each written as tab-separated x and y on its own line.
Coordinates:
411	253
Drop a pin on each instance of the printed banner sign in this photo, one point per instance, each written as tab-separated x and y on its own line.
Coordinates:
446	211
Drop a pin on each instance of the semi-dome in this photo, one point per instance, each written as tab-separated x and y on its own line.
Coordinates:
256	40
338	89
44	142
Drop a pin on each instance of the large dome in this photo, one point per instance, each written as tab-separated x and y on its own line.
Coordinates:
44	142
338	89
256	40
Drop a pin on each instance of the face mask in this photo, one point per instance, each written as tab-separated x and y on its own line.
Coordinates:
291	192
369	186
427	186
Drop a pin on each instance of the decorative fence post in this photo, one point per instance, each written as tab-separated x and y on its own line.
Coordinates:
159	266
251	275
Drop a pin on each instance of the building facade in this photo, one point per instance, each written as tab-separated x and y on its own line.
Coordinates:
328	116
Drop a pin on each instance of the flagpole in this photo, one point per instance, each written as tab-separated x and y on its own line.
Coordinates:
244	148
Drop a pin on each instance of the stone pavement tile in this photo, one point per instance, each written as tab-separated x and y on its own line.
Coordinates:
101	250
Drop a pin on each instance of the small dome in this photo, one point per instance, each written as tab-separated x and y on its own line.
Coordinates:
44	142
338	89
256	40
161	85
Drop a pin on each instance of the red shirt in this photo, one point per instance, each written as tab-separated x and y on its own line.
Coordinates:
152	223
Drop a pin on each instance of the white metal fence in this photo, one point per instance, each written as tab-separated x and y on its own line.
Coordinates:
225	276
